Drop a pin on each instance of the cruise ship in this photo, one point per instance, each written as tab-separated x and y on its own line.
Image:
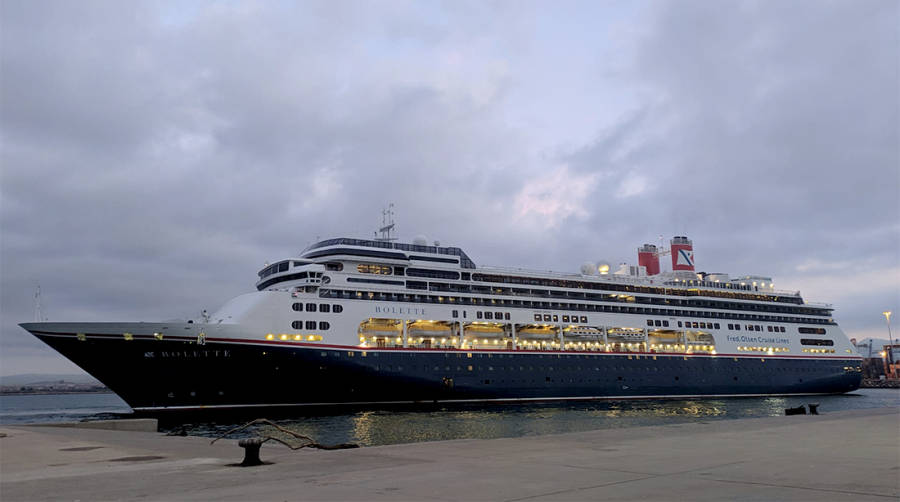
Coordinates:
362	322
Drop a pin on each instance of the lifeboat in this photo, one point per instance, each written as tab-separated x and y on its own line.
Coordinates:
584	333
625	336
381	328
484	330
537	332
428	329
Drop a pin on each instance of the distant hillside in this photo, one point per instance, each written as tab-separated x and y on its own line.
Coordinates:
44	378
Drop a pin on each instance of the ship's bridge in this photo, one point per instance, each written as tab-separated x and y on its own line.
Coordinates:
299	272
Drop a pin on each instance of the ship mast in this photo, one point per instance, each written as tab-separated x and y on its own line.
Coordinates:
387	224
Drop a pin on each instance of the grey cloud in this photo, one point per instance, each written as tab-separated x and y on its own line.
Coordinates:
154	156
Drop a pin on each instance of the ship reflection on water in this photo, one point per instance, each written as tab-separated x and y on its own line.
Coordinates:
382	426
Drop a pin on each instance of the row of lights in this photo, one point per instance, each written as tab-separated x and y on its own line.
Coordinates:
769	350
819	351
284	337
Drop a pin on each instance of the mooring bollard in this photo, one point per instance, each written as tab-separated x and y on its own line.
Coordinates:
813	408
251	451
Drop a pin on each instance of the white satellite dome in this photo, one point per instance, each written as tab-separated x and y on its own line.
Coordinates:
420	240
589	268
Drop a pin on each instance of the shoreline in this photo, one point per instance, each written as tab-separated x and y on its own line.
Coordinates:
54	392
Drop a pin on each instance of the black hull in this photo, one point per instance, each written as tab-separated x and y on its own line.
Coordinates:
154	375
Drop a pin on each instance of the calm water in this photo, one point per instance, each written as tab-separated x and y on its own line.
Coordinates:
389	426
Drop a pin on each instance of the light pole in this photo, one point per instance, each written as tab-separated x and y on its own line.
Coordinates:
887	318
889	353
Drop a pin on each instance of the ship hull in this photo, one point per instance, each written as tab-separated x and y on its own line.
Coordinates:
183	373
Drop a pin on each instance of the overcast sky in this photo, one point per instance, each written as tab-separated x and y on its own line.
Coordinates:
155	155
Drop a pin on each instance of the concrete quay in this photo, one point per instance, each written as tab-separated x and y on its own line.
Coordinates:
842	456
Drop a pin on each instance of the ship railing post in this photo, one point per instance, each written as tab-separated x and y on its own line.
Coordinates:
462	334
562	345
646	338
405	334
605	339
515	339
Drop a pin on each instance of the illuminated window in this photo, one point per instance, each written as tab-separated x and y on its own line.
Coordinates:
370	268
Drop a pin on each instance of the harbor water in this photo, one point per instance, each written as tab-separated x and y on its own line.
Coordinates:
380	426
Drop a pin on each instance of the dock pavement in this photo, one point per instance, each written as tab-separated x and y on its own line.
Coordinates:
842	456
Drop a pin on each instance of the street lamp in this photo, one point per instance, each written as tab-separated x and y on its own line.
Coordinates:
887	318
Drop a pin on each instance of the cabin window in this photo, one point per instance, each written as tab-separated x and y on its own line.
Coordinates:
297	325
297	307
455	314
498	315
584	318
555	318
324	325
546	317
324	308
371	268
310	324
478	314
657	322
649	322
488	315
666	323
334	267
716	325
310	307
506	316
337	309
537	317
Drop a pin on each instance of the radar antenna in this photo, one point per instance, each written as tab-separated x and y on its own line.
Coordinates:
387	224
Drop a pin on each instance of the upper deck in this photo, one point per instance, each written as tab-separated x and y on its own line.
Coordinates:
415	258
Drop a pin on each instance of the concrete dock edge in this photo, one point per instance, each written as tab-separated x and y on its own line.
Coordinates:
850	455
